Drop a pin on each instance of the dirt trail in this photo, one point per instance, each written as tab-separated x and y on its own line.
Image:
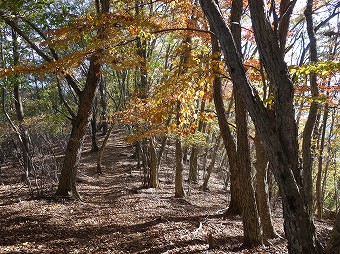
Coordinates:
117	216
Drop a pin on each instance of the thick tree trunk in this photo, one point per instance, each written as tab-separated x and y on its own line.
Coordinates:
251	225
276	68
67	181
313	111
262	195
228	140
299	227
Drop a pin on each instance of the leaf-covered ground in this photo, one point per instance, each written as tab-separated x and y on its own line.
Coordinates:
118	216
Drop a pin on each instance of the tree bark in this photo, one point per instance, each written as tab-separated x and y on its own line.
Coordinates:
278	74
286	9
179	191
250	217
94	140
161	149
212	163
103	101
251	225
67	180
153	181
193	169
319	207
299	227
228	140
307	159
262	195
141	87
328	161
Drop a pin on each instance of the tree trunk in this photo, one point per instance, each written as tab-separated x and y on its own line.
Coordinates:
142	87
278	74
328	160
143	153
212	163
228	140
101	151
251	225
103	101
313	111
299	227
153	181
286	9
67	181
206	150
262	196
320	164
223	167
179	191
94	141
19	109
193	169
161	150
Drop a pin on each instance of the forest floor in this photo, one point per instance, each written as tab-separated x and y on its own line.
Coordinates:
117	215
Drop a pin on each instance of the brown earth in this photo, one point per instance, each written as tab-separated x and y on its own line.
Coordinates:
118	216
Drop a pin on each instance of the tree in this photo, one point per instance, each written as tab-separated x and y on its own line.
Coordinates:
67	181
179	191
320	162
280	144
212	162
251	225
142	89
19	109
308	130
228	140
262	195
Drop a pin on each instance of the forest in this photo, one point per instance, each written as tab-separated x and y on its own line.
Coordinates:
167	126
